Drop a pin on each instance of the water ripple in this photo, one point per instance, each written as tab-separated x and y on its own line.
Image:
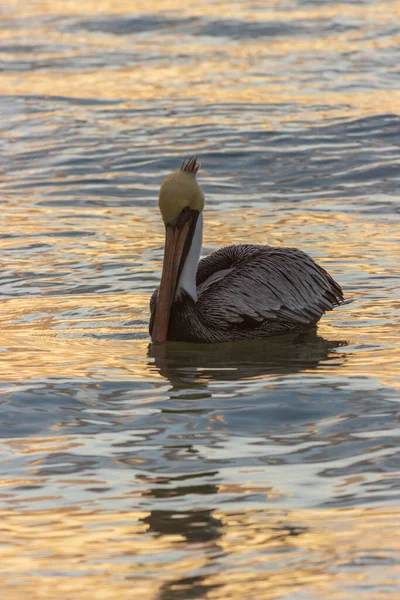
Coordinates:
188	471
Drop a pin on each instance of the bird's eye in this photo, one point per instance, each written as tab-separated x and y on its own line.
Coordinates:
184	216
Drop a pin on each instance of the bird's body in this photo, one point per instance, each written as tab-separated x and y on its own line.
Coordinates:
239	292
251	291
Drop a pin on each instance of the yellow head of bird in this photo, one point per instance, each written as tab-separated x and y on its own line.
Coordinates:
179	190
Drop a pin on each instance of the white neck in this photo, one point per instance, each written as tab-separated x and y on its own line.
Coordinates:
187	279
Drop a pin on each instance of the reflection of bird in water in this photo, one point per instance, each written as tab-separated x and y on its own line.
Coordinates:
195	525
239	292
192	365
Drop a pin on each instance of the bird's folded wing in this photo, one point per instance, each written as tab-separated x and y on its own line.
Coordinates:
258	283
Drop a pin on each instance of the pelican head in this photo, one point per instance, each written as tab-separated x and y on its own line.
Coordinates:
180	191
181	201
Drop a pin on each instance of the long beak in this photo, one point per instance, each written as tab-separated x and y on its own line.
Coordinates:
178	240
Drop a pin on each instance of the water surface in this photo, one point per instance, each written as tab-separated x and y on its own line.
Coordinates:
262	470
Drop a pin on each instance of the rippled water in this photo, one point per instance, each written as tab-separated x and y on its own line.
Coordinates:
261	470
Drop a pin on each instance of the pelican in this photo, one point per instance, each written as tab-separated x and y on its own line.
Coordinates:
238	292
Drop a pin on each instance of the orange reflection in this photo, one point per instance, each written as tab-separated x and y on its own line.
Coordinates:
116	553
73	554
146	83
51	335
218	71
256	10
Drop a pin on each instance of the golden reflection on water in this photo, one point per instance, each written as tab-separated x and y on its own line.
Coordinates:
139	85
33	322
237	10
74	554
248	73
272	554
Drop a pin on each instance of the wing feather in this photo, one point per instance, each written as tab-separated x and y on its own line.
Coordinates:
247	285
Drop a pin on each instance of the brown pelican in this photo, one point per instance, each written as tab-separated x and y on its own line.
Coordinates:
236	293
